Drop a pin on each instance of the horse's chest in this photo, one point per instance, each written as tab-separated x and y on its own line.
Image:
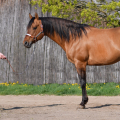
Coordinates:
70	58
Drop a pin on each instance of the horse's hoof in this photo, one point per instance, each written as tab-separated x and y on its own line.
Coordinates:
81	107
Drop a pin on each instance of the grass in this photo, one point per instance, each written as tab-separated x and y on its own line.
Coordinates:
101	89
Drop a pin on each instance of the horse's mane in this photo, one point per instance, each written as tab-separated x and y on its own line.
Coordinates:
61	26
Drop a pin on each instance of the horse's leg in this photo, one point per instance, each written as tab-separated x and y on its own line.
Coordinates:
82	78
81	69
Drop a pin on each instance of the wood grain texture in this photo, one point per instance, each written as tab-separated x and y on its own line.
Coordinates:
49	63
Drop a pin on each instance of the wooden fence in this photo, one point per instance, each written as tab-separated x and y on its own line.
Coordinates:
49	63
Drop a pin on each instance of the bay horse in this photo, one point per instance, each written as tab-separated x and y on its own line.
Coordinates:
83	44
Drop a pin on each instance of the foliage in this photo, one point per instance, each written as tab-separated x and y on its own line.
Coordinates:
95	14
107	13
108	89
58	8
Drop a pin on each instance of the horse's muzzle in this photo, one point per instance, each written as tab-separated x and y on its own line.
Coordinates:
27	44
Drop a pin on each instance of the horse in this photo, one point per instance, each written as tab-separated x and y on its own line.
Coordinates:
84	45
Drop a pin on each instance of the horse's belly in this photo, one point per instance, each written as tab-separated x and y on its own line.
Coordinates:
104	60
103	53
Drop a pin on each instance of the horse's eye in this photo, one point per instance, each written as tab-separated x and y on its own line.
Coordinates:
34	28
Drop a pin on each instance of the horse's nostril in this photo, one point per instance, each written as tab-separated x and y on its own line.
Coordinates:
26	43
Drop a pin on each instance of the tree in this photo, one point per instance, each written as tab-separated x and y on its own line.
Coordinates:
95	14
106	12
60	8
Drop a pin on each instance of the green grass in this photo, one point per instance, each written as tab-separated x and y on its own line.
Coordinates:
101	89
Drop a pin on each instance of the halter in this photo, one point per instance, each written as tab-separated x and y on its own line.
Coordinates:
35	37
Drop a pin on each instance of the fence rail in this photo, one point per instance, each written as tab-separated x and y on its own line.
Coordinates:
49	63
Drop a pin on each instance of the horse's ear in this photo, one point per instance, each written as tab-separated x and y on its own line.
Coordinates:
30	16
36	16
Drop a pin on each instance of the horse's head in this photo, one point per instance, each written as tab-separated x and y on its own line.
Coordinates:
34	31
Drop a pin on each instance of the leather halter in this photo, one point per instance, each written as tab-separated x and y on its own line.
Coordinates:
35	37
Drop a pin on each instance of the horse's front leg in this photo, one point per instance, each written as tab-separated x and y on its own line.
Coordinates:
82	78
81	69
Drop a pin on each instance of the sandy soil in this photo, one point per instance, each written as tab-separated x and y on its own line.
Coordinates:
36	107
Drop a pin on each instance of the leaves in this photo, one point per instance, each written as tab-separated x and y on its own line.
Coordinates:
102	13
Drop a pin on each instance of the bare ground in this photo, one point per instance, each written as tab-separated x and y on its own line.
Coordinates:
36	107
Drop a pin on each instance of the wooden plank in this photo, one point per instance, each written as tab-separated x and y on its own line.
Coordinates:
49	63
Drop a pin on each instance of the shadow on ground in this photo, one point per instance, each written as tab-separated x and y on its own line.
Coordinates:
102	106
15	108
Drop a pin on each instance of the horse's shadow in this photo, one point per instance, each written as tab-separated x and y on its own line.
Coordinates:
102	106
53	105
16	108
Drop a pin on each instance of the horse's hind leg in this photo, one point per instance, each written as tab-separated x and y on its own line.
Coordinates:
81	69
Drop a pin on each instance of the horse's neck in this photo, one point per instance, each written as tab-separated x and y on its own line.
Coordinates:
56	38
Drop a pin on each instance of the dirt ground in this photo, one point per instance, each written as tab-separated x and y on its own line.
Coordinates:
36	107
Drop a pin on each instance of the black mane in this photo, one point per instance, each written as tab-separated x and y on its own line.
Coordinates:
62	27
